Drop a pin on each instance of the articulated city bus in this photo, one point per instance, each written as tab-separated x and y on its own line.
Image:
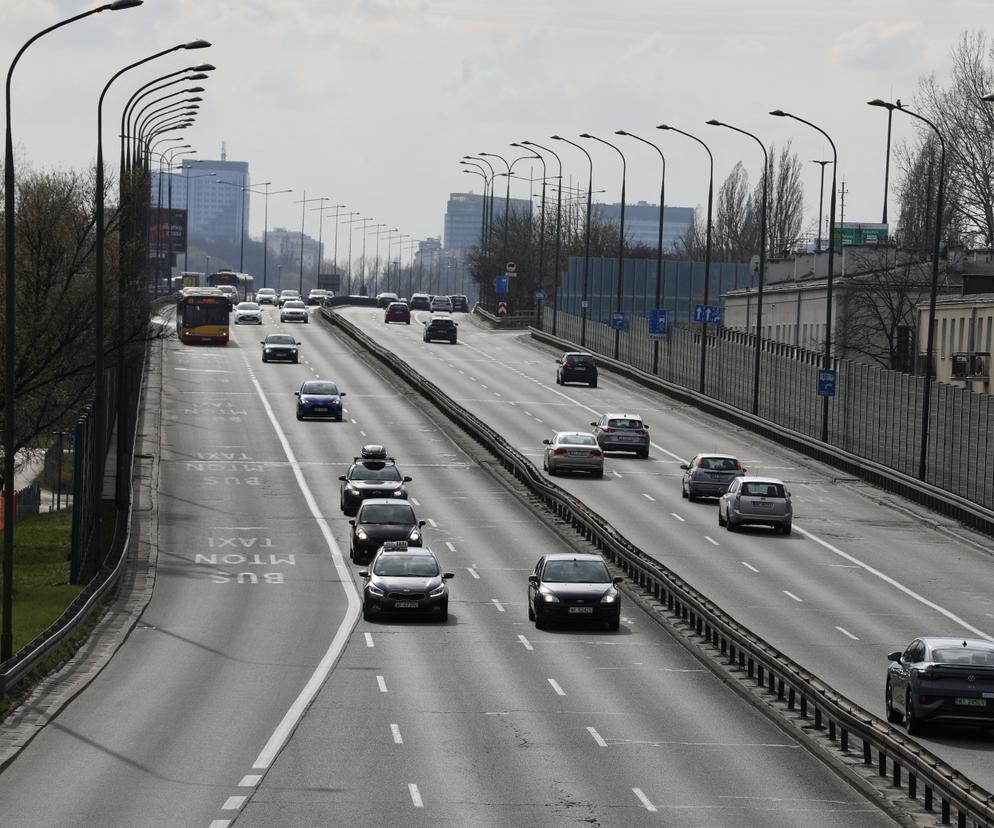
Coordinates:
242	282
202	316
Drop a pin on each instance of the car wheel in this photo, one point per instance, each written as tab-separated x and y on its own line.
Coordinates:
366	614
306	321
721	518
730	524
598	473
265	360
552	470
643	454
300	416
785	529
352	554
893	716
539	622
531	612
915	727
683	491
691	496
408	322
558	379
593	384
295	360
443	616
614	625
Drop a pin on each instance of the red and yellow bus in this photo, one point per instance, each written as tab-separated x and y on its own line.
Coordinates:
202	316
241	282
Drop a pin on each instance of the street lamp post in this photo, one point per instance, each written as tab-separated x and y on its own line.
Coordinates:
378	268
586	253
244	189
362	261
321	212
541	237
707	247
821	202
762	261
303	212
350	222
559	216
827	358
890	115
265	232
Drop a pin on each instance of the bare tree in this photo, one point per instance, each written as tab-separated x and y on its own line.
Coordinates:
736	230
785	210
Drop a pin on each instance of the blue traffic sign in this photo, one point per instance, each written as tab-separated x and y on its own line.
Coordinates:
501	285
659	323
619	320
826	383
707	314
539	296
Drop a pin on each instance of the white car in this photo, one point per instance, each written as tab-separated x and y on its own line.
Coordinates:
248	313
265	296
293	310
287	295
440	303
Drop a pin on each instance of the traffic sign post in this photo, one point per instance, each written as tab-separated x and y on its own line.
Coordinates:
619	320
659	323
539	296
708	314
826	383
501	285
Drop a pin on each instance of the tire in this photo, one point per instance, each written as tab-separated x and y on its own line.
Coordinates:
265	360
597	474
730	525
643	455
785	529
893	716
915	727
306	321
531	612
408	322
539	622
721	520
295	360
443	616
558	379
614	625
352	554
300	416
366	614
593	384
691	496
552	471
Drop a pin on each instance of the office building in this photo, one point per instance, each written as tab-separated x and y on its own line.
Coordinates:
642	222
464	218
217	211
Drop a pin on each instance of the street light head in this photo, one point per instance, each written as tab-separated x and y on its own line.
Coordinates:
514	144
204	67
620	132
779	113
714	122
988	98
196	44
195	89
663	126
194	100
878	102
198	76
117	5
586	135
556	137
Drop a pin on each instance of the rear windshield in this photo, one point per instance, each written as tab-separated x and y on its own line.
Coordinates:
387	513
718	463
964	655
442	323
577	440
398	306
624	423
762	489
576	572
380	472
411	566
579	359
319	388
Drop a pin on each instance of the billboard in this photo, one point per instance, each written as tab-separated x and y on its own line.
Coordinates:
166	227
330	281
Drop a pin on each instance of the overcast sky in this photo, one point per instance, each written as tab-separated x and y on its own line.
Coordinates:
373	102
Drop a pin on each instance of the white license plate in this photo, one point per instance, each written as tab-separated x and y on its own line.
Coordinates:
406	605
628	439
320	409
581	610
972	702
577	453
763	505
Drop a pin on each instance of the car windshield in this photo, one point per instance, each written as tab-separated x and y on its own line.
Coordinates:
576	440
619	422
762	489
248	306
406	566
719	463
266	291
327	388
964	655
576	572
378	472
398	306
280	339
386	513
289	294
294	304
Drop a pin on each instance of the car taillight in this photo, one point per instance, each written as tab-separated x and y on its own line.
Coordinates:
595	453
923	699
607	429
738	465
567	365
643	431
559	451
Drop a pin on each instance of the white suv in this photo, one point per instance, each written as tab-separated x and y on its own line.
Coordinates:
293	310
440	303
265	296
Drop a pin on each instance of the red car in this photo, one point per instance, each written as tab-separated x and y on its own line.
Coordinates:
397	312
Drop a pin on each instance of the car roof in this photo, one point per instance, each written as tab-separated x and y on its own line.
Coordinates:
573	556
955	641
715	454
385	501
573	433
280	338
266	290
623	415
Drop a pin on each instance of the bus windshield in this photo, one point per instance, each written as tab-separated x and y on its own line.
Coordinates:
196	314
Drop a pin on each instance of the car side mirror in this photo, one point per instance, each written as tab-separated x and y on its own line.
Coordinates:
533	579
262	341
745	471
684	466
408	479
421	523
593	424
547	442
342	477
342	394
296	393
363	573
298	343
894	657
448	576
351	523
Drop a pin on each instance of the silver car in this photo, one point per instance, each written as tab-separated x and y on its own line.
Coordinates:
941	679
708	475
757	501
622	432
248	312
293	310
573	451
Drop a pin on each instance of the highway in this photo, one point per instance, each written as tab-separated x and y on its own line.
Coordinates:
250	692
862	575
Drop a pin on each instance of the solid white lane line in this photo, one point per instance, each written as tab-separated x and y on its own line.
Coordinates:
432	524
896	584
381	683
415	795
709	539
644	800
791	595
414	500
555	686
233	803
498	604
473	572
648	497
395	732
369	639
847	633
597	737
250	780
526	642
678	517
750	566
451	546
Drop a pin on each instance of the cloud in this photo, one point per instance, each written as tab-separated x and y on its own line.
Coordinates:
874	44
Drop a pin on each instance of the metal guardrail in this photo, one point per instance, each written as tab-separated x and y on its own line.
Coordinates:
909	766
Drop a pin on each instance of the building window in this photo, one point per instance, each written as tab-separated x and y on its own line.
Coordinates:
942	341
990	319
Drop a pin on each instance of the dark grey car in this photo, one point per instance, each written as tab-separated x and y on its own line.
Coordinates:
622	432
941	679
380	520
573	587
708	475
407	581
279	346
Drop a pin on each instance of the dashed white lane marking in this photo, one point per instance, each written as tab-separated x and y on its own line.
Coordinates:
678	517
528	413
555	686
484	386
616	474
846	632
749	566
432	523
498	604
220	823
526	642
415	795
537	420
597	737
648	497
473	572
233	803
363	433
644	800
498	394
395	732
381	683
709	539
415	501
352	420
369	640
451	546
790	594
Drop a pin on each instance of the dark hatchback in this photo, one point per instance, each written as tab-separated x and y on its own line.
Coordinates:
279	347
574	588
369	479
319	398
379	520
440	327
460	302
407	581
575	366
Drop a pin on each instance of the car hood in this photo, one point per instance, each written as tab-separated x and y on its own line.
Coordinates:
386	531
376	485
400	584
586	592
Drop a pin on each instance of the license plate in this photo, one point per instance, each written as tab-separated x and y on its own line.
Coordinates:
577	453
320	409
972	702
763	505
627	439
406	605
581	610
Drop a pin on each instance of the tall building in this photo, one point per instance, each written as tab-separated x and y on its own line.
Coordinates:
642	222
464	218
217	212
284	245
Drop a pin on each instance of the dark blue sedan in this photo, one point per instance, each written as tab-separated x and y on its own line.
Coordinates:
319	398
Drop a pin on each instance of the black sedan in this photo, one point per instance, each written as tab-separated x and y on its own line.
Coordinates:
279	347
380	520
369	479
941	679
572	587
319	398
405	580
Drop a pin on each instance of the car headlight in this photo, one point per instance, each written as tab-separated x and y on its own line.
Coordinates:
437	592
269	350
415	535
398	493
361	534
374	590
609	598
293	351
352	490
548	595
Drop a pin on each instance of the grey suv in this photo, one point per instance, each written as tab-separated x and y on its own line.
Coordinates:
622	432
708	475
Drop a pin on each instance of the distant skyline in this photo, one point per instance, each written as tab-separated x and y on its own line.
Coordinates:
372	103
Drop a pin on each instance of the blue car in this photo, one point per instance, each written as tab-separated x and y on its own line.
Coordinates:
319	398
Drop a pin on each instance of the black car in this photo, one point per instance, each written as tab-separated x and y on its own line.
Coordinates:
576	366
279	347
572	587
405	580
460	302
369	479
380	520
440	327
420	301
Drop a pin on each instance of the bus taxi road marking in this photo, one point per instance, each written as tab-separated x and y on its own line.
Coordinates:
381	683
415	795
749	566
644	800
711	540
526	642
415	501
791	595
846	632
395	732
648	497
555	686
369	640
678	517
317	679
450	546
473	572
597	737
498	604
220	823
250	780
233	803
432	524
